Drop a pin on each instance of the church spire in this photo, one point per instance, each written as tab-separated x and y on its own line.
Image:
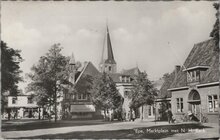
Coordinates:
108	63
72	60
72	64
110	58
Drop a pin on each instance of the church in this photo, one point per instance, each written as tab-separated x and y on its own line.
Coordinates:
79	105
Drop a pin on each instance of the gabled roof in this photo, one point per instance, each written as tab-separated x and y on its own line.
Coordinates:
131	72
115	77
202	54
88	69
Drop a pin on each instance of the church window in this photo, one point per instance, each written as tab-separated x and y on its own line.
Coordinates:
109	68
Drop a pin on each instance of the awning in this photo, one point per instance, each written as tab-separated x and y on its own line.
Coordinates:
22	107
194	101
82	108
163	100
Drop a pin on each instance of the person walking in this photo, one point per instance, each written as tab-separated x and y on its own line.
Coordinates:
133	115
169	115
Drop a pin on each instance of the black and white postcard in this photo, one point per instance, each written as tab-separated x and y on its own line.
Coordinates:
110	70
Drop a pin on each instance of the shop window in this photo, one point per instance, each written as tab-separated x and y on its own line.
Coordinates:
179	102
212	103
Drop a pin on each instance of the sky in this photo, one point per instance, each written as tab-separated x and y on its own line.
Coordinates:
155	36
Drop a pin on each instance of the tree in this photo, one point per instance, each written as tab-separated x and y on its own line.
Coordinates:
143	91
215	31
48	77
10	60
105	94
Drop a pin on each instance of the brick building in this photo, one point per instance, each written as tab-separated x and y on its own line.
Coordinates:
194	87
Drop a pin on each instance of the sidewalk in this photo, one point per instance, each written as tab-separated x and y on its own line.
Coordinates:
212	132
102	127
209	132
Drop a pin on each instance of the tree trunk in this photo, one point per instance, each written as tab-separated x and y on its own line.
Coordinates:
104	114
43	112
39	113
9	114
55	104
50	111
142	112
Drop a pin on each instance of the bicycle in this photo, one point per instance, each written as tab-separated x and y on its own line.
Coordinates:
204	119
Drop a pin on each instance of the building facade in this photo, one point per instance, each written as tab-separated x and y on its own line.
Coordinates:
76	102
195	87
79	105
22	106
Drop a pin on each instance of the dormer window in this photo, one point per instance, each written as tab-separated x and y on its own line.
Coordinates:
193	73
193	76
125	79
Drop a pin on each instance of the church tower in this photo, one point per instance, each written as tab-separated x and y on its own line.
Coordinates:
72	66
108	63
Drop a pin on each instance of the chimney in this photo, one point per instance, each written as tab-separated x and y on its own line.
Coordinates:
177	69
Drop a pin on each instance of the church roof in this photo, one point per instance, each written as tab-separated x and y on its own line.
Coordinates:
110	58
202	54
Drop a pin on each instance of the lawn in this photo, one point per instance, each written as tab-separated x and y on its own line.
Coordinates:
153	132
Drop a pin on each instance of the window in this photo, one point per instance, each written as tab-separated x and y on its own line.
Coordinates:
109	68
212	103
193	76
179	102
82	96
125	79
30	100
14	100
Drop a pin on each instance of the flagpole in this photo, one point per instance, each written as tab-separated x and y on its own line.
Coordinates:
179	61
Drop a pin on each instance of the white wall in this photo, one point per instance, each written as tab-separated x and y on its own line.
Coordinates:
22	101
